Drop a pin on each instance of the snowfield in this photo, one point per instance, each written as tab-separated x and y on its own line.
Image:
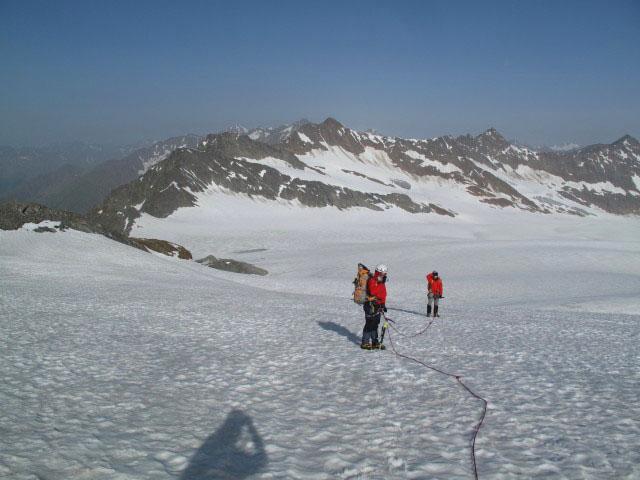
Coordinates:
119	364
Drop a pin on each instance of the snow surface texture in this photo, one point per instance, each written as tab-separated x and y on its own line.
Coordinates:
119	364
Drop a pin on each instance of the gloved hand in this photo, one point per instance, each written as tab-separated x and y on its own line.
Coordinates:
383	307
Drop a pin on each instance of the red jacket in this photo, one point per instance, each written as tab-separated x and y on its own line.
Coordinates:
435	286
378	290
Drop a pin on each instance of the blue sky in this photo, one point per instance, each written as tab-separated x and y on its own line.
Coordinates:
122	72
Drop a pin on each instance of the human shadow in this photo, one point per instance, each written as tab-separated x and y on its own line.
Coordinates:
334	327
234	451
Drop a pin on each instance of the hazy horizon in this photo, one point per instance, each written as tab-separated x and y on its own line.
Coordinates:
112	73
143	142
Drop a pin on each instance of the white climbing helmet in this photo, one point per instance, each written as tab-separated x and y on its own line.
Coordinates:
381	268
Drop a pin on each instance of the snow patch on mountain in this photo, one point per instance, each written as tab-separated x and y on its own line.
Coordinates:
599	188
446	168
303	137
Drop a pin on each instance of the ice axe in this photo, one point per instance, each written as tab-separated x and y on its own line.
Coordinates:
384	326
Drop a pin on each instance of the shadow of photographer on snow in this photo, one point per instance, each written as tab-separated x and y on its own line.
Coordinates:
234	451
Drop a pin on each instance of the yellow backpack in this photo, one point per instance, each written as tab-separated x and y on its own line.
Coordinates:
360	284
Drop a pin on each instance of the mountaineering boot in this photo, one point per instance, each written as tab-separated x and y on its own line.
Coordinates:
428	310
435	311
382	347
366	346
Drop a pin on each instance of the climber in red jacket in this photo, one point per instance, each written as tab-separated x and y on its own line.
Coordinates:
373	307
435	293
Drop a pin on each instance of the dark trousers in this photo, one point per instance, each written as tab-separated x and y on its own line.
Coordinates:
371	322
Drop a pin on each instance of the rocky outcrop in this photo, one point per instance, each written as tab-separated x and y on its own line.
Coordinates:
162	246
14	214
230	265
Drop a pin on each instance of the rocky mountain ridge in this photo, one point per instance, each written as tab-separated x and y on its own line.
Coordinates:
330	165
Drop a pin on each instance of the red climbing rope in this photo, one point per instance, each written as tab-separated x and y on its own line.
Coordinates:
410	336
457	377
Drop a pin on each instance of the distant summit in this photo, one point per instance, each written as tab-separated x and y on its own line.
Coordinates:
269	135
237	129
492	137
565	147
627	140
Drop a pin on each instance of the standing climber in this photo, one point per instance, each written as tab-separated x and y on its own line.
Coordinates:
375	304
435	293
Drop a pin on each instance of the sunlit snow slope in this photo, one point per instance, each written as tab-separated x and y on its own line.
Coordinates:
118	364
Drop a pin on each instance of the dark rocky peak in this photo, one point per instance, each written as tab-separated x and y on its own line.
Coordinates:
627	141
493	138
329	133
331	123
232	145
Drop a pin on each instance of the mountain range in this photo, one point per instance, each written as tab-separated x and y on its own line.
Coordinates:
330	165
18	165
36	175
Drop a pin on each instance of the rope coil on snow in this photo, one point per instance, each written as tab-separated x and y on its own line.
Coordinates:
476	429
